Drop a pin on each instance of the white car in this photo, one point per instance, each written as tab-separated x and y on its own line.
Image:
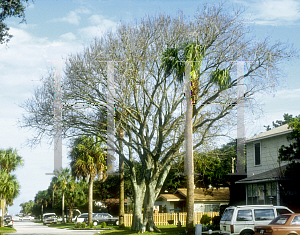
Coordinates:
80	218
240	220
26	217
49	218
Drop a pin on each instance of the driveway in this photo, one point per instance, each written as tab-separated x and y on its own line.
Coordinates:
28	227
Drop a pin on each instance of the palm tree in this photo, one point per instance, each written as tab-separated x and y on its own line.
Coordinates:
42	198
75	194
9	161
172	63
88	162
9	189
64	177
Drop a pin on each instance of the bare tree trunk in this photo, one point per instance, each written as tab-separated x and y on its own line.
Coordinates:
63	207
150	197
122	192
138	196
90	219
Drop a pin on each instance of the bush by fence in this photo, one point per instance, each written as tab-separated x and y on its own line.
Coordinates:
162	218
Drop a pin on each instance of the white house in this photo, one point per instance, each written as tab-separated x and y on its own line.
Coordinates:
263	168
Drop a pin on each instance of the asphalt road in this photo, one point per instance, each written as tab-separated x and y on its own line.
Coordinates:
29	227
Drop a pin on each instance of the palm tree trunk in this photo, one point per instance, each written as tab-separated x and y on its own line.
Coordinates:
90	218
189	165
2	206
63	207
121	199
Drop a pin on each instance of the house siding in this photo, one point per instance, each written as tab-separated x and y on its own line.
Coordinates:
269	154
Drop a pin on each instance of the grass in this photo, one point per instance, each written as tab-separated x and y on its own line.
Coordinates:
60	225
7	230
165	230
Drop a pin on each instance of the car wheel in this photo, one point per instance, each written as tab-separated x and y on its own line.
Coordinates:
116	223
95	223
247	232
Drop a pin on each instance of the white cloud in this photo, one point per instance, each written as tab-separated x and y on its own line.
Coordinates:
99	26
273	12
68	36
72	18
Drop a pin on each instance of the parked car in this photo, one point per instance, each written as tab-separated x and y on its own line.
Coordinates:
8	221
281	225
240	220
99	218
26	217
81	218
49	218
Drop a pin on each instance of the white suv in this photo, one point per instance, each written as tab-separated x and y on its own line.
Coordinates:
240	220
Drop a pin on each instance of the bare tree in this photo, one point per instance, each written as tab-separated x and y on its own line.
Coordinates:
148	100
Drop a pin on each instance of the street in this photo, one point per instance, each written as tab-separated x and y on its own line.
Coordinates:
29	227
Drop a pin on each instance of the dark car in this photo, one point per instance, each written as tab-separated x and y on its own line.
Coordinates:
282	225
8	221
99	218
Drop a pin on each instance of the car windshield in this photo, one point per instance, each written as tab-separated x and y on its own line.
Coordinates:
227	216
46	216
281	219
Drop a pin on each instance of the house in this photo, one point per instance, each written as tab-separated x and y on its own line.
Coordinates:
205	200
263	168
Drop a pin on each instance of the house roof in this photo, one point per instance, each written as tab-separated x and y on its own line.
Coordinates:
207	195
273	132
271	175
114	201
171	197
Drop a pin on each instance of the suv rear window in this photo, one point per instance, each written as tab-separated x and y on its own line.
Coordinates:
227	216
264	214
281	211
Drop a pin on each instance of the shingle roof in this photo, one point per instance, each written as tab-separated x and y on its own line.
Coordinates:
114	201
271	175
200	194
172	197
273	132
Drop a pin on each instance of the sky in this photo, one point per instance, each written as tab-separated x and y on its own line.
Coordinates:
57	28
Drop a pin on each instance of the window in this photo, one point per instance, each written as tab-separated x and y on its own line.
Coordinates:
244	215
264	214
227	216
257	153
212	208
281	219
296	220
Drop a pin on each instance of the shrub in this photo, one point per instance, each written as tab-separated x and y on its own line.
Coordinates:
83	225
205	219
77	225
91	225
103	225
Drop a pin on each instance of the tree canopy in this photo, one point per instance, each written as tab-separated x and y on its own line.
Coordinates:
9	8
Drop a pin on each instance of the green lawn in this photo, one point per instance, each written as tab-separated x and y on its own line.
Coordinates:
165	230
7	230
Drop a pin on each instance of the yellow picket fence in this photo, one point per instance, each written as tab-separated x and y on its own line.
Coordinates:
162	218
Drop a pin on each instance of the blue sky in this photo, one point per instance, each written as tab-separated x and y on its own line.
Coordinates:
56	28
